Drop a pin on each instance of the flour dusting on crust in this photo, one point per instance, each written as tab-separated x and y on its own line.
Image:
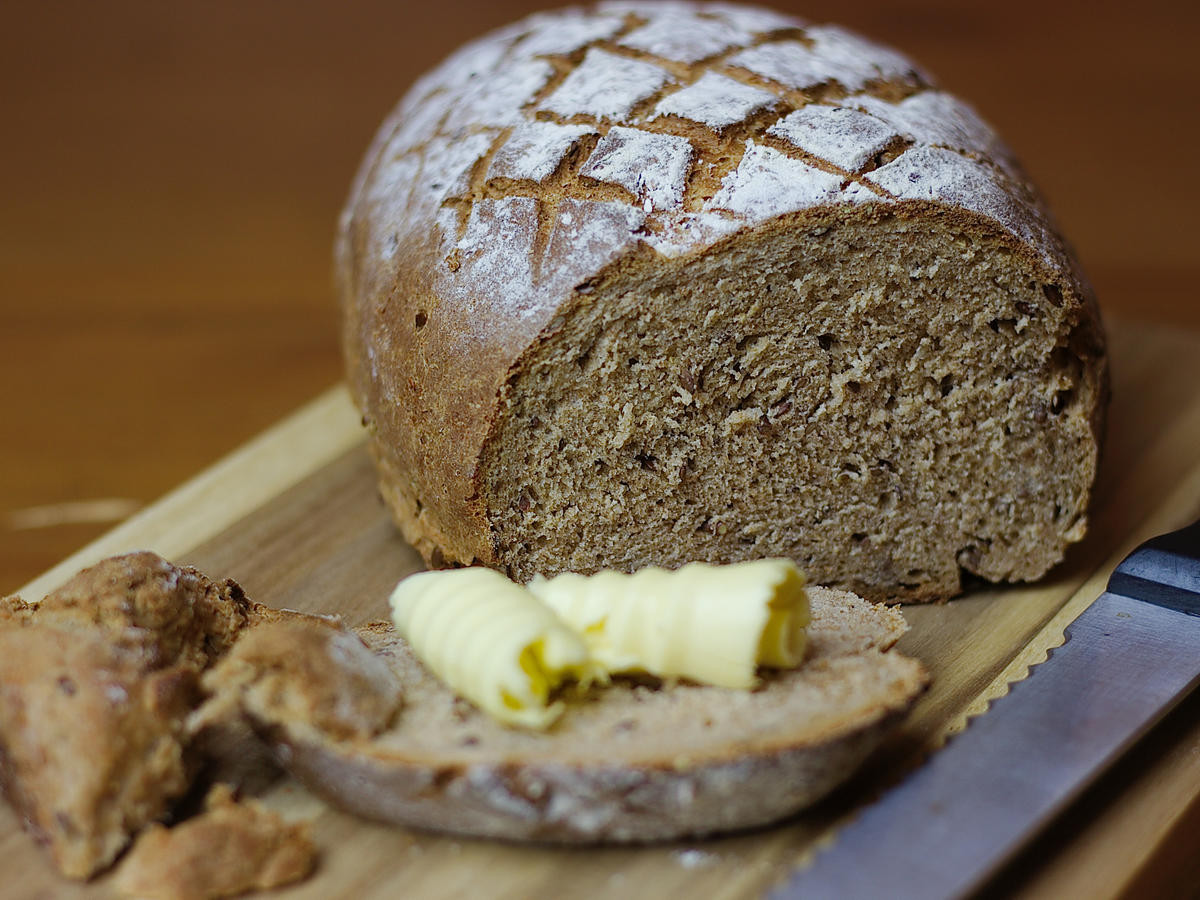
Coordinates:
685	37
716	101
845	137
605	86
564	32
751	18
791	65
940	175
489	153
497	98
767	184
937	119
652	167
860	60
535	149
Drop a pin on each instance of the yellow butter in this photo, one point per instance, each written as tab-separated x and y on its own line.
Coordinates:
491	641
714	624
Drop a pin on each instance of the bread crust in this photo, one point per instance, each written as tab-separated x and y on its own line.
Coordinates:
451	274
554	803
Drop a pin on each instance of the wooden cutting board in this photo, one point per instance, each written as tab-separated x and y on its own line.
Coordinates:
295	518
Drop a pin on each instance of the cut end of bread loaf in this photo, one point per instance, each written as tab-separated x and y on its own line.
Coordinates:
630	762
887	397
650	283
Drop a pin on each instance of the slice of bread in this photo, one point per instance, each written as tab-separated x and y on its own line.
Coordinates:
632	762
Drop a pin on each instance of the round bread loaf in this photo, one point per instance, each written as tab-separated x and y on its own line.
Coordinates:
654	282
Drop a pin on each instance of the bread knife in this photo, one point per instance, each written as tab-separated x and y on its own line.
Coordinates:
951	824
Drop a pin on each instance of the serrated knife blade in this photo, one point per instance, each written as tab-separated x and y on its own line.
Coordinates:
950	825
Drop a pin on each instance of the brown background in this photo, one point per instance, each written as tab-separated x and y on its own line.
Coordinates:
172	172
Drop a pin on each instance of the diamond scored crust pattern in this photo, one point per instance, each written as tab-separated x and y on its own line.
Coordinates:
543	151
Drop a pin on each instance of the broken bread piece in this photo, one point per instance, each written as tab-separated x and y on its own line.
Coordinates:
307	672
234	846
96	684
633	762
100	732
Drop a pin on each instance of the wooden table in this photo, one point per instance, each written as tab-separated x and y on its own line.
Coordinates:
171	176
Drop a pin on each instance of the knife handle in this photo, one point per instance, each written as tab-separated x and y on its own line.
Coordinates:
1165	570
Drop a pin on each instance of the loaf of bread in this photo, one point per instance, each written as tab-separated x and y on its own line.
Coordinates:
647	283
630	762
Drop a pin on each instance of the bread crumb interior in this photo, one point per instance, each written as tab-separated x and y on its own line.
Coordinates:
889	401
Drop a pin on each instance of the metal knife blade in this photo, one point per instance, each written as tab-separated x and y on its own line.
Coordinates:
950	825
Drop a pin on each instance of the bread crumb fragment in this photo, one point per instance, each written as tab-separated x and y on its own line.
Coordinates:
234	846
303	673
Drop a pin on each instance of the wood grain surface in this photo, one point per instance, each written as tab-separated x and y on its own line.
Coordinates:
171	174
296	519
